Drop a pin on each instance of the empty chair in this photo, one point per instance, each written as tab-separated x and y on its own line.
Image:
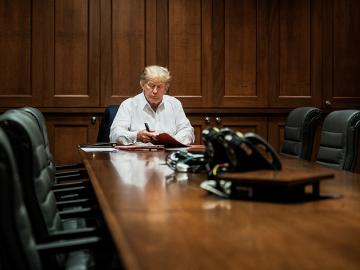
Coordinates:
64	190
18	249
13	216
106	122
339	142
26	142
60	182
63	172
300	130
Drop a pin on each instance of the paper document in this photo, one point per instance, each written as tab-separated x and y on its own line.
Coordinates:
97	145
98	149
168	141
140	147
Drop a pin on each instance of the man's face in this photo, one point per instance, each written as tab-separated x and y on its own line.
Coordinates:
154	91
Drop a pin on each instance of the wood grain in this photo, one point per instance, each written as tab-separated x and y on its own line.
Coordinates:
15	51
346	59
162	220
223	54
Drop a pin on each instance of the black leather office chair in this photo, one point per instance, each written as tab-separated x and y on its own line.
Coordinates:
300	130
30	154
339	142
67	184
65	172
13	215
106	122
18	249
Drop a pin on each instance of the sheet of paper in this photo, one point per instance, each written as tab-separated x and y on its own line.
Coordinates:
140	147
98	149
177	148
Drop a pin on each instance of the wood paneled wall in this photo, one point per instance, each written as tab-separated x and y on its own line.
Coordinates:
244	57
222	53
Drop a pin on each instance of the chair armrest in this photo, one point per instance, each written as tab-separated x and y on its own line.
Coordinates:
83	212
65	246
70	166
85	183
78	203
65	196
72	176
78	213
73	234
71	189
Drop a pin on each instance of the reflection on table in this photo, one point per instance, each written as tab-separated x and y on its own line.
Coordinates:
163	221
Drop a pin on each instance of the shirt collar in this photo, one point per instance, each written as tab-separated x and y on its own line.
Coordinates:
145	104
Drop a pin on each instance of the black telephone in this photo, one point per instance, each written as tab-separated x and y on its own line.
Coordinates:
213	139
233	151
250	152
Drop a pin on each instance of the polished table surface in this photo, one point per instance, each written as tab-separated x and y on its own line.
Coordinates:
162	220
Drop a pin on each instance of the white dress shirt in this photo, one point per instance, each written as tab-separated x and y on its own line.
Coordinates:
134	112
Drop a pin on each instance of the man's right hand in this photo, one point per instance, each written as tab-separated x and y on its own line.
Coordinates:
145	136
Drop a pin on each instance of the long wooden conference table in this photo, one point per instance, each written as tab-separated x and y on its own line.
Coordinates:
164	220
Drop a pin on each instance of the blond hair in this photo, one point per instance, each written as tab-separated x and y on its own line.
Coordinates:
156	73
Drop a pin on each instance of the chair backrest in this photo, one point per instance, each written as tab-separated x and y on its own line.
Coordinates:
300	130
17	244
27	144
106	122
339	142
40	119
41	122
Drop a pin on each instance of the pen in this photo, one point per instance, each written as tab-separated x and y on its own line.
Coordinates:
147	127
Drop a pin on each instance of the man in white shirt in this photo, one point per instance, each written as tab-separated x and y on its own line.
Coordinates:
162	113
